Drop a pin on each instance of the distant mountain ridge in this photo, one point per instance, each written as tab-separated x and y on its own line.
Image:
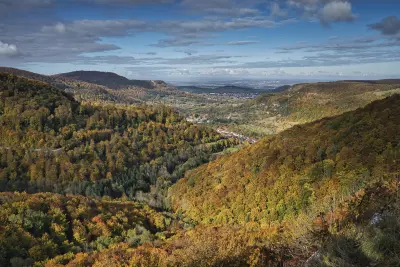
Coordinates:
383	81
80	89
110	79
276	110
100	86
220	90
33	75
235	89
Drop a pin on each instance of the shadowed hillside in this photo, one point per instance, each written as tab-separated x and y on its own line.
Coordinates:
50	142
82	91
110	80
102	87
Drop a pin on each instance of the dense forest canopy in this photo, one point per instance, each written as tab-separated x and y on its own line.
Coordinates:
35	228
302	170
50	142
319	194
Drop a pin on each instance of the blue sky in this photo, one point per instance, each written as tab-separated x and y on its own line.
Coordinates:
193	40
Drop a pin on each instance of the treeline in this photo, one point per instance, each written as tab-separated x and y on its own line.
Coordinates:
50	142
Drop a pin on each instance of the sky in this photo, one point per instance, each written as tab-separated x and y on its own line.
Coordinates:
195	40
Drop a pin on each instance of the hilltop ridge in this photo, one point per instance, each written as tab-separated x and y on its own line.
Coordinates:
96	86
110	79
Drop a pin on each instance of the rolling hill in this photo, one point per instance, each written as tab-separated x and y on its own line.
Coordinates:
50	142
35	76
194	89
384	81
110	80
319	194
273	112
312	176
81	90
101	87
289	171
324	193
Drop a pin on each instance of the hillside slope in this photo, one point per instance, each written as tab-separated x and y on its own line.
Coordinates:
36	228
309	102
320	194
304	169
274	112
101	87
35	76
50	142
110	80
81	90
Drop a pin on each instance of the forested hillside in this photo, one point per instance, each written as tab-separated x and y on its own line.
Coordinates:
32	75
108	79
50	142
267	114
308	102
102	87
35	228
320	194
312	186
307	168
271	113
361	231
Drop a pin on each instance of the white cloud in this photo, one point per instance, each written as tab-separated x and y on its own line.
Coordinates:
221	7
60	28
8	49
242	42
336	11
327	11
96	27
276	11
